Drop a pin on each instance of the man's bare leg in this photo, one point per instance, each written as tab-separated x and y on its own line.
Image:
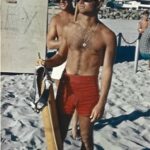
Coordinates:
86	132
56	82
64	121
74	122
149	64
74	119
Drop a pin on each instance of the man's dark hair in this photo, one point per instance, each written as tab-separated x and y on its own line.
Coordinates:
66	0
146	13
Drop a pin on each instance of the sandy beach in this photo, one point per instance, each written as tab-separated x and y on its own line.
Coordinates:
126	121
124	126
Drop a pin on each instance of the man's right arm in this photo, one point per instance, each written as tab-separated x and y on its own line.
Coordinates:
139	27
52	36
60	57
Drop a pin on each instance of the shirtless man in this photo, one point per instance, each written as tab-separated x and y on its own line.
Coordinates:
55	32
86	45
53	42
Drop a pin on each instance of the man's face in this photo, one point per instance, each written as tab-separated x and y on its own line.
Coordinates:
144	17
63	4
87	6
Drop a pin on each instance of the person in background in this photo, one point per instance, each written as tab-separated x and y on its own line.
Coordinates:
144	35
144	22
55	29
54	36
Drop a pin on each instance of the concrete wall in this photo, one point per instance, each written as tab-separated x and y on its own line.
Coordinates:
23	33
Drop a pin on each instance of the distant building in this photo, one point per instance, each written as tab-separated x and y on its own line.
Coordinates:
145	2
129	4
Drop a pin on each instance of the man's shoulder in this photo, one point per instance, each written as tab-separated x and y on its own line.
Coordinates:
71	25
105	29
62	14
56	17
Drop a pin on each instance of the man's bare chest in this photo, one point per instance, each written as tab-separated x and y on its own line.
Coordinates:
84	41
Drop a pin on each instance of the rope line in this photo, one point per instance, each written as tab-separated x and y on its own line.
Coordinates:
121	36
129	42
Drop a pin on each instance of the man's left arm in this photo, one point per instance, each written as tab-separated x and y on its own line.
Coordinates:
106	76
107	69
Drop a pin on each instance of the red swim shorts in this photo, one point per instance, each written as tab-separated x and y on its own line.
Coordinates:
80	93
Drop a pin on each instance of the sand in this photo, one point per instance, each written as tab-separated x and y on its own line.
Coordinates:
124	126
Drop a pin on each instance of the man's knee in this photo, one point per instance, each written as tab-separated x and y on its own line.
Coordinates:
64	123
86	132
87	140
87	146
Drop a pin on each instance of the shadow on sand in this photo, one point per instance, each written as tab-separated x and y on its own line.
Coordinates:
114	121
98	147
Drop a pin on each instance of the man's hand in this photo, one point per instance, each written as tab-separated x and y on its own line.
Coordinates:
97	113
40	62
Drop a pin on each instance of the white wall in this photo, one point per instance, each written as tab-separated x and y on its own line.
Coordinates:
23	34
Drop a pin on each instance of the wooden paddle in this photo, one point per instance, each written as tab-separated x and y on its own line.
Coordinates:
76	13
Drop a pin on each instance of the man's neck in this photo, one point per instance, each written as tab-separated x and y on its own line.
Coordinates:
69	10
87	21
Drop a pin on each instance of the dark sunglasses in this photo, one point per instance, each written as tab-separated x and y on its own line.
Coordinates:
87	1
